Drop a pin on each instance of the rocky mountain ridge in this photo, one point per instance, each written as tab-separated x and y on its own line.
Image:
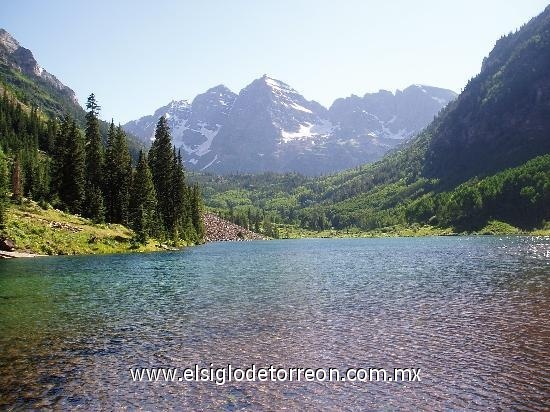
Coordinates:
13	55
270	126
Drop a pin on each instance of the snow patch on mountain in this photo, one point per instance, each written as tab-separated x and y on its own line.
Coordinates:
297	107
210	164
209	134
278	86
308	131
180	127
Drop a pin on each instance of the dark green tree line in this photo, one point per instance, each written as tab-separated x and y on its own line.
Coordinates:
95	158
55	162
179	205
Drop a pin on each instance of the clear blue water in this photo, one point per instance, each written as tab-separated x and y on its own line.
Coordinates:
471	312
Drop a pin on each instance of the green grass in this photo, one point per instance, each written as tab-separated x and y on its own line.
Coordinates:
496	227
544	231
296	232
53	232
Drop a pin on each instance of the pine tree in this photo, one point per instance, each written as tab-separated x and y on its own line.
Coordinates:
118	179
182	208
139	224
123	173
94	163
42	178
30	167
58	155
161	159
95	208
52	130
36	174
4	187
109	187
196	212
74	170
16	180
143	203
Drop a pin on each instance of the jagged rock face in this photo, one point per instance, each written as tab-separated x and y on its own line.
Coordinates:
209	112
387	115
14	55
7	42
26	61
177	112
269	126
194	126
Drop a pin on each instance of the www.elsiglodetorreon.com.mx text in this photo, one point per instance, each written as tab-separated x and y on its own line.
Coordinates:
228	373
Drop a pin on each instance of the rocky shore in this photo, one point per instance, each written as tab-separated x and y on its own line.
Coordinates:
15	254
218	229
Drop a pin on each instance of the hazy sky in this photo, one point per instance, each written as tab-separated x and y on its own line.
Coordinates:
138	55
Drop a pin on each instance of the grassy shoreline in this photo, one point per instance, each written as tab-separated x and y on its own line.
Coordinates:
494	228
38	231
53	232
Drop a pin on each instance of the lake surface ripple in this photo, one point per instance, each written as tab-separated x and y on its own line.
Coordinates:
471	312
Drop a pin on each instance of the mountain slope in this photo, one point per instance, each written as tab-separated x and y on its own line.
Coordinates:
484	157
491	126
384	114
269	126
267	117
193	126
32	85
177	113
502	118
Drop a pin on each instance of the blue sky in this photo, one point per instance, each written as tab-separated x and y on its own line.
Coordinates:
137	56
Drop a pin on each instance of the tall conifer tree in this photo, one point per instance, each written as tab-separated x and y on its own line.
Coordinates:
161	160
143	203
94	163
123	174
182	204
74	166
109	188
118	176
196	212
16	180
58	155
4	187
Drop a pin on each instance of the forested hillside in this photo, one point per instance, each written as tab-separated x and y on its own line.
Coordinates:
59	165
33	86
470	166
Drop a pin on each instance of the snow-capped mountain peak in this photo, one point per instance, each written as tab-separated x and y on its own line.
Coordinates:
277	86
176	112
270	126
177	105
223	95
